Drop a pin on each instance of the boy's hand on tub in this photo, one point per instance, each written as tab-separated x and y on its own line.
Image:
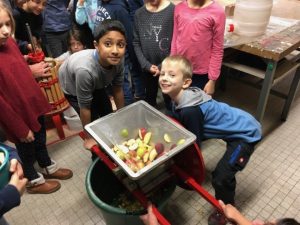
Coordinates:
19	183
16	167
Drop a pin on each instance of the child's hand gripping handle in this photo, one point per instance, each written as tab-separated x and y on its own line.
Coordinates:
161	219
145	203
95	149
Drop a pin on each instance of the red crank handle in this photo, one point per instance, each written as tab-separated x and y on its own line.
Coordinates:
161	219
100	154
193	184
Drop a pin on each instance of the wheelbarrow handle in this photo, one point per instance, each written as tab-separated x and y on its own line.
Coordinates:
104	157
193	184
95	149
144	201
161	219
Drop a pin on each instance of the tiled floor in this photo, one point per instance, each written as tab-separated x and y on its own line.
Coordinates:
268	188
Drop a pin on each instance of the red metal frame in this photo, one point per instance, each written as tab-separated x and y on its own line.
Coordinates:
197	187
58	124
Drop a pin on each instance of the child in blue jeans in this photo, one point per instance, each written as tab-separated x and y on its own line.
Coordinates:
208	119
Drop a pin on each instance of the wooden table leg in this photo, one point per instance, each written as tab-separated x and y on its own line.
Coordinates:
291	95
265	91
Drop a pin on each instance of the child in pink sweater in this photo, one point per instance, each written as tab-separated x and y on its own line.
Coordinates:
199	35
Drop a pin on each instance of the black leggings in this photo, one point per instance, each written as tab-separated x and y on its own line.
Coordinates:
199	80
34	151
101	105
151	86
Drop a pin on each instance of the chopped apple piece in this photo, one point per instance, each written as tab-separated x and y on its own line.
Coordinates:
152	155
167	138
140	164
140	151
146	157
131	142
142	133
120	154
147	138
133	147
123	148
159	148
180	141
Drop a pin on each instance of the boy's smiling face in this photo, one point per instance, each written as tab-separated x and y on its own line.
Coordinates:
111	48
36	6
172	81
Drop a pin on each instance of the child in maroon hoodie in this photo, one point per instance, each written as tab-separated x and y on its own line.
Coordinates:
23	106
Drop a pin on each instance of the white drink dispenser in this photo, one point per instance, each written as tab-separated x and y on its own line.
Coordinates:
251	17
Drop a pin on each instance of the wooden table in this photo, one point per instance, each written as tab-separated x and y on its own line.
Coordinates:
275	51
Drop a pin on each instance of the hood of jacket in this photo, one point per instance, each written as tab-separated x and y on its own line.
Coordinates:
191	97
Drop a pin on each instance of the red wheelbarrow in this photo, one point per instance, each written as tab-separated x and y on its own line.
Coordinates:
186	166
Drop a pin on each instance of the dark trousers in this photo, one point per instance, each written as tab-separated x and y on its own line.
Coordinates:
223	177
56	42
34	151
151	86
3	221
199	80
101	106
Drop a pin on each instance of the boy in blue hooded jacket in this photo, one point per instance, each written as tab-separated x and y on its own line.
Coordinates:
208	119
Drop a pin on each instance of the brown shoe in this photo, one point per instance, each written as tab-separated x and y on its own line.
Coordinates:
61	174
40	186
53	172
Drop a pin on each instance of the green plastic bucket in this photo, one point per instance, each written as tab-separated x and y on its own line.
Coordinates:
103	186
4	168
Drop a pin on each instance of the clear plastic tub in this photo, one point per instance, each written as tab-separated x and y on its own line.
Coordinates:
251	17
106	131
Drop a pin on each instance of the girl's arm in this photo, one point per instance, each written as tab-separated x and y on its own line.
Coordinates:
174	37
80	13
144	63
118	96
217	48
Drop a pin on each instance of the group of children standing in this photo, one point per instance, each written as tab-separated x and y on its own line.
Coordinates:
191	32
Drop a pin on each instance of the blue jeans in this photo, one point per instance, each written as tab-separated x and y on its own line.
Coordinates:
133	86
